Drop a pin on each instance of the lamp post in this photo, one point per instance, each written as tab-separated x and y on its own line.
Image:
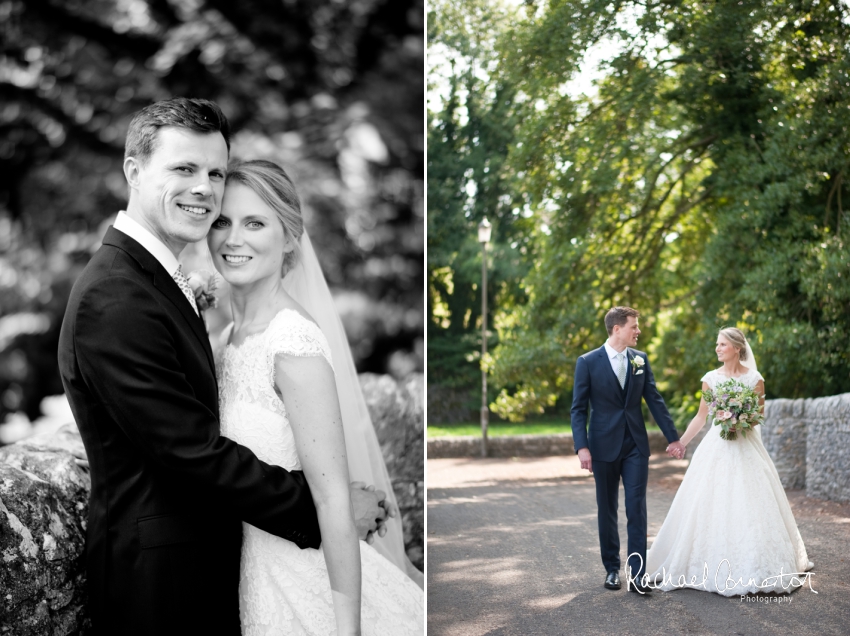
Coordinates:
484	229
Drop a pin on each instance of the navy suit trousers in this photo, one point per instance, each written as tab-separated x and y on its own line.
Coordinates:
633	468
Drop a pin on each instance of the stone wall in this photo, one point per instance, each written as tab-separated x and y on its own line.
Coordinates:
397	411
828	447
43	508
44	505
519	445
808	440
784	436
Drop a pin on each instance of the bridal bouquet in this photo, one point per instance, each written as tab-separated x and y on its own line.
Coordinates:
734	407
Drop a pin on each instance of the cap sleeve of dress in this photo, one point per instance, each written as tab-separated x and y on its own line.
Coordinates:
708	378
292	334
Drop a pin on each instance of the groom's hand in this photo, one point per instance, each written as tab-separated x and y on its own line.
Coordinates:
371	511
366	510
676	449
585	459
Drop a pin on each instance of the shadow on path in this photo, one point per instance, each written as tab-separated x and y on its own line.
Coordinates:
513	550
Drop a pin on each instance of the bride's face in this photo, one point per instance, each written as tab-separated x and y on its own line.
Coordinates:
724	350
247	240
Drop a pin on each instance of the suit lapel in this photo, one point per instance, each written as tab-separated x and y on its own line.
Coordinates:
165	284
171	290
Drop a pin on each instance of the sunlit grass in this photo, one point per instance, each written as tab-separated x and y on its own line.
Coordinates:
503	429
498	430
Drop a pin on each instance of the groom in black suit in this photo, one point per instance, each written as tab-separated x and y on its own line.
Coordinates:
168	493
612	380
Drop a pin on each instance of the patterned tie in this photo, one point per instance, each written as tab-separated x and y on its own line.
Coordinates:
621	369
183	284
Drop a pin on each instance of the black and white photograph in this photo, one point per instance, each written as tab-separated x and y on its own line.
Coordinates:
212	317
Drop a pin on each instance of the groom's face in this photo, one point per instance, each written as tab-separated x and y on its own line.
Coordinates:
181	185
628	333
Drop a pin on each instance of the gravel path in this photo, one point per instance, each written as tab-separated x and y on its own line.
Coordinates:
513	549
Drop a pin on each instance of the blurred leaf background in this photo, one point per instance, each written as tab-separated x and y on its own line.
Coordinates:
330	89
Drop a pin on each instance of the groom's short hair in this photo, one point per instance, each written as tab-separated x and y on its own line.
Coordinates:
198	115
619	316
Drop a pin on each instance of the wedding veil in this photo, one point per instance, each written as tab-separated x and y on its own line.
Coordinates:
306	284
750	362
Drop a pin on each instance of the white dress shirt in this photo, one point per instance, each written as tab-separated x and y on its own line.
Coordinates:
612	355
135	230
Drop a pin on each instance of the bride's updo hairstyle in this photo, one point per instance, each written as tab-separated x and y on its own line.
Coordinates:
271	183
738	340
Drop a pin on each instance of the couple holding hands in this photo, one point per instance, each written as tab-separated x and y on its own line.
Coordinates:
730	529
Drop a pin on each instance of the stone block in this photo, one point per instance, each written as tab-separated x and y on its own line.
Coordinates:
43	508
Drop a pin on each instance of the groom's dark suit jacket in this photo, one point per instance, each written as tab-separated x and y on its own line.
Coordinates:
168	492
613	409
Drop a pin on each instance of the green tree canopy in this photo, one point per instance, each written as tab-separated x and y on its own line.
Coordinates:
701	179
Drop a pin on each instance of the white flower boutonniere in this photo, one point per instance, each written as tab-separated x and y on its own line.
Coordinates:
637	365
204	284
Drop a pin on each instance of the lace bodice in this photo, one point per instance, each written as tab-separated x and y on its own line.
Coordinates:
714	377
246	377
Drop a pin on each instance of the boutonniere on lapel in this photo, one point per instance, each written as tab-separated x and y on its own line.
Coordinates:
204	284
637	365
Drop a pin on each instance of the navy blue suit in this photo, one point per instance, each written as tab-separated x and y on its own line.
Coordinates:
618	444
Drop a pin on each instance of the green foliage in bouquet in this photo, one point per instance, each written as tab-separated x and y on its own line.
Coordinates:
734	407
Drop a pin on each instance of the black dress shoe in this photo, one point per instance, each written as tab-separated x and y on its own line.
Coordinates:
643	590
612	581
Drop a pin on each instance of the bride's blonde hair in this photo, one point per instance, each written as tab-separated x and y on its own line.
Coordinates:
738	340
271	183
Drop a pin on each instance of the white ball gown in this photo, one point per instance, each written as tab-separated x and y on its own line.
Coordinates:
284	590
730	529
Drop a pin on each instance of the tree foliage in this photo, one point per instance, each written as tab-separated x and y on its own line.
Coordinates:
470	133
701	180
332	90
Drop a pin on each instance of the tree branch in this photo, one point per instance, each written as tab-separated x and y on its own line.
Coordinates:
11	92
136	45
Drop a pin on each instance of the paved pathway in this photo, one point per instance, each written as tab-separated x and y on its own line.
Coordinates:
513	550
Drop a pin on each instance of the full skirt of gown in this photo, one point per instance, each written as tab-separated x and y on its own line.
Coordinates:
730	529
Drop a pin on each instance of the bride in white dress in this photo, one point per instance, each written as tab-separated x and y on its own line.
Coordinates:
281	387
730	529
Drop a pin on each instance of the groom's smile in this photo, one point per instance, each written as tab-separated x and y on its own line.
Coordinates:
194	209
